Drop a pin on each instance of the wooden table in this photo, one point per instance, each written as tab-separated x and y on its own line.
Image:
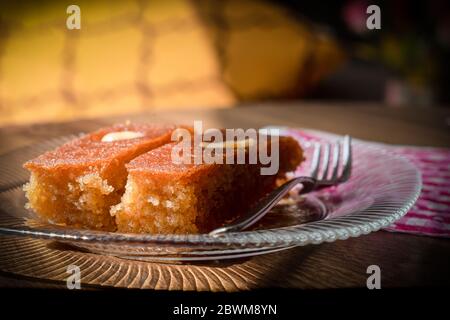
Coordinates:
405	260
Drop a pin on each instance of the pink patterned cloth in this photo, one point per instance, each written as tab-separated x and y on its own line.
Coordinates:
431	213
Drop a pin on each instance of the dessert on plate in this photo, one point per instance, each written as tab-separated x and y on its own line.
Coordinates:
124	178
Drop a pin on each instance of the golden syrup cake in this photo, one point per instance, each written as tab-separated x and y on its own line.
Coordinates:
77	183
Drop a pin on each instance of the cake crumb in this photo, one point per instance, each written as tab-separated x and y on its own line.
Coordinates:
153	200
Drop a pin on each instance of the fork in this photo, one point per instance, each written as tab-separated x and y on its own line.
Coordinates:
321	177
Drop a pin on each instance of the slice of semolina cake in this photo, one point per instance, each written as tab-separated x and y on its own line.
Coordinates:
77	183
166	197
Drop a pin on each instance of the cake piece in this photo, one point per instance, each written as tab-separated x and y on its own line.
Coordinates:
77	183
166	197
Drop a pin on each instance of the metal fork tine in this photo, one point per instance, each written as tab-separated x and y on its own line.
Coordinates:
347	161
335	166
326	162
315	160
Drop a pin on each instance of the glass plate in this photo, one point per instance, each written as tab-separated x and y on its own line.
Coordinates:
383	187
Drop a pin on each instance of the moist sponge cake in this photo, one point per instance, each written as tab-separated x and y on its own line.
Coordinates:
165	197
77	183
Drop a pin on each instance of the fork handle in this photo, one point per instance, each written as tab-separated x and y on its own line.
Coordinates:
268	202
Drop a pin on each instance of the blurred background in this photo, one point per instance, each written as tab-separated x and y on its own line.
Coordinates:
144	55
